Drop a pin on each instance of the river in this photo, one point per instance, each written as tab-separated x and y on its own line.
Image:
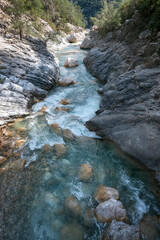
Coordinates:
34	207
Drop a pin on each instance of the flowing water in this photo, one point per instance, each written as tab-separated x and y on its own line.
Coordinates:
35	198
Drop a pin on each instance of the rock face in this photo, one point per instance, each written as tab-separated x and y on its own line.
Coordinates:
104	193
27	71
71	62
128	64
110	210
119	230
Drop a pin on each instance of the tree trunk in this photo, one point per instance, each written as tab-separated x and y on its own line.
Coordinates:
21	33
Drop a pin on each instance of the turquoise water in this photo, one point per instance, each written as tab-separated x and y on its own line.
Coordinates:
34	206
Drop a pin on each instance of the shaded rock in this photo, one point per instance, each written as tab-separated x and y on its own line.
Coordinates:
66	81
72	39
65	109
65	101
111	210
104	193
145	34
68	135
71	62
60	150
119	230
72	206
47	148
89	217
72	232
17	165
150	227
85	172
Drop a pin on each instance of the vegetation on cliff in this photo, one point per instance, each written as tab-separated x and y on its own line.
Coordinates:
55	12
113	14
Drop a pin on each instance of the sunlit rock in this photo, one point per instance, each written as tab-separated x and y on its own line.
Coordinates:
71	62
20	143
60	150
47	148
66	81
121	231
2	160
72	232
87	43
43	109
72	206
65	101
104	193
89	217
68	135
111	210
85	172
72	39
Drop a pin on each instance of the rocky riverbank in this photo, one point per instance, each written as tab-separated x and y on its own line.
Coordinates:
128	63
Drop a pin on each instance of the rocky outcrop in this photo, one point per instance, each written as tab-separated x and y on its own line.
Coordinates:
27	71
128	64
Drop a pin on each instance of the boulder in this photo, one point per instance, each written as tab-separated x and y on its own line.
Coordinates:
110	210
85	172
72	232
71	62
121	231
72	206
86	44
66	81
104	193
68	135
60	150
47	148
72	39
65	101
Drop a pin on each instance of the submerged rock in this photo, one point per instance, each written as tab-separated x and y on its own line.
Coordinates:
72	232
60	150
68	135
65	109
73	207
66	81
121	231
71	62
17	165
89	217
150	227
56	128
110	210
85	172
104	193
47	148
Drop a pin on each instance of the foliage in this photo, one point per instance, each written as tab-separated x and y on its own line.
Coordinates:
108	19
112	15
